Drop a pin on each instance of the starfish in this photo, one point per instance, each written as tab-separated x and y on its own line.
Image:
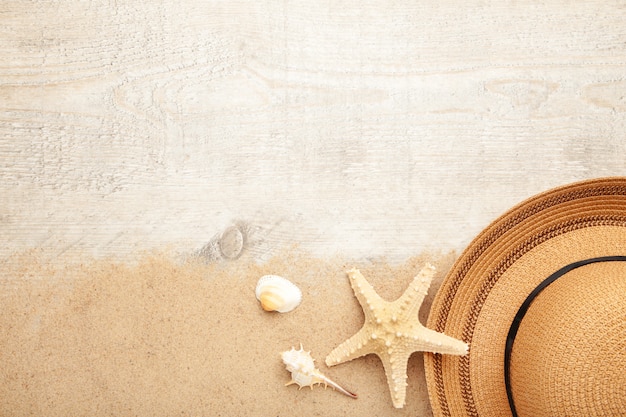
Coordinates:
392	331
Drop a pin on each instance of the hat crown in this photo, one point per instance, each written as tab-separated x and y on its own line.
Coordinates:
569	354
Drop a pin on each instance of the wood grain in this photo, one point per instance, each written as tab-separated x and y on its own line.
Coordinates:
368	128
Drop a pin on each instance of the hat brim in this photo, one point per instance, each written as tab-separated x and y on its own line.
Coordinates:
484	290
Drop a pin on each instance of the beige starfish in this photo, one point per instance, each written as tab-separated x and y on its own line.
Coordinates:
392	331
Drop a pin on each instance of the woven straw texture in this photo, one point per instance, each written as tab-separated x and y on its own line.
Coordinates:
485	288
569	351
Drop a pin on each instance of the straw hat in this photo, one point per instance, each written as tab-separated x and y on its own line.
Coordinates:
540	296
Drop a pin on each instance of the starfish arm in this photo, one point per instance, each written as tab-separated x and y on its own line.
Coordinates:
365	293
395	370
353	348
413	296
427	340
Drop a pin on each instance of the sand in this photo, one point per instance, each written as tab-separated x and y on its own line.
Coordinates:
167	336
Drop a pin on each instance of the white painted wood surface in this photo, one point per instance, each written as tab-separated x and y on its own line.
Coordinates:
369	128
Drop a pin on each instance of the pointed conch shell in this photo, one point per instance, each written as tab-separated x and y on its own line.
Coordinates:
303	371
277	294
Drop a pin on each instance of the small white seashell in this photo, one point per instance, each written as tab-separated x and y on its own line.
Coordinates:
277	294
303	371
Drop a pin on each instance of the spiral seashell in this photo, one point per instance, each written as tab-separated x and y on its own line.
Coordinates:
305	374
277	294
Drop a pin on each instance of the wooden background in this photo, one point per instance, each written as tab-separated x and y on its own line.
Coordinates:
367	128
